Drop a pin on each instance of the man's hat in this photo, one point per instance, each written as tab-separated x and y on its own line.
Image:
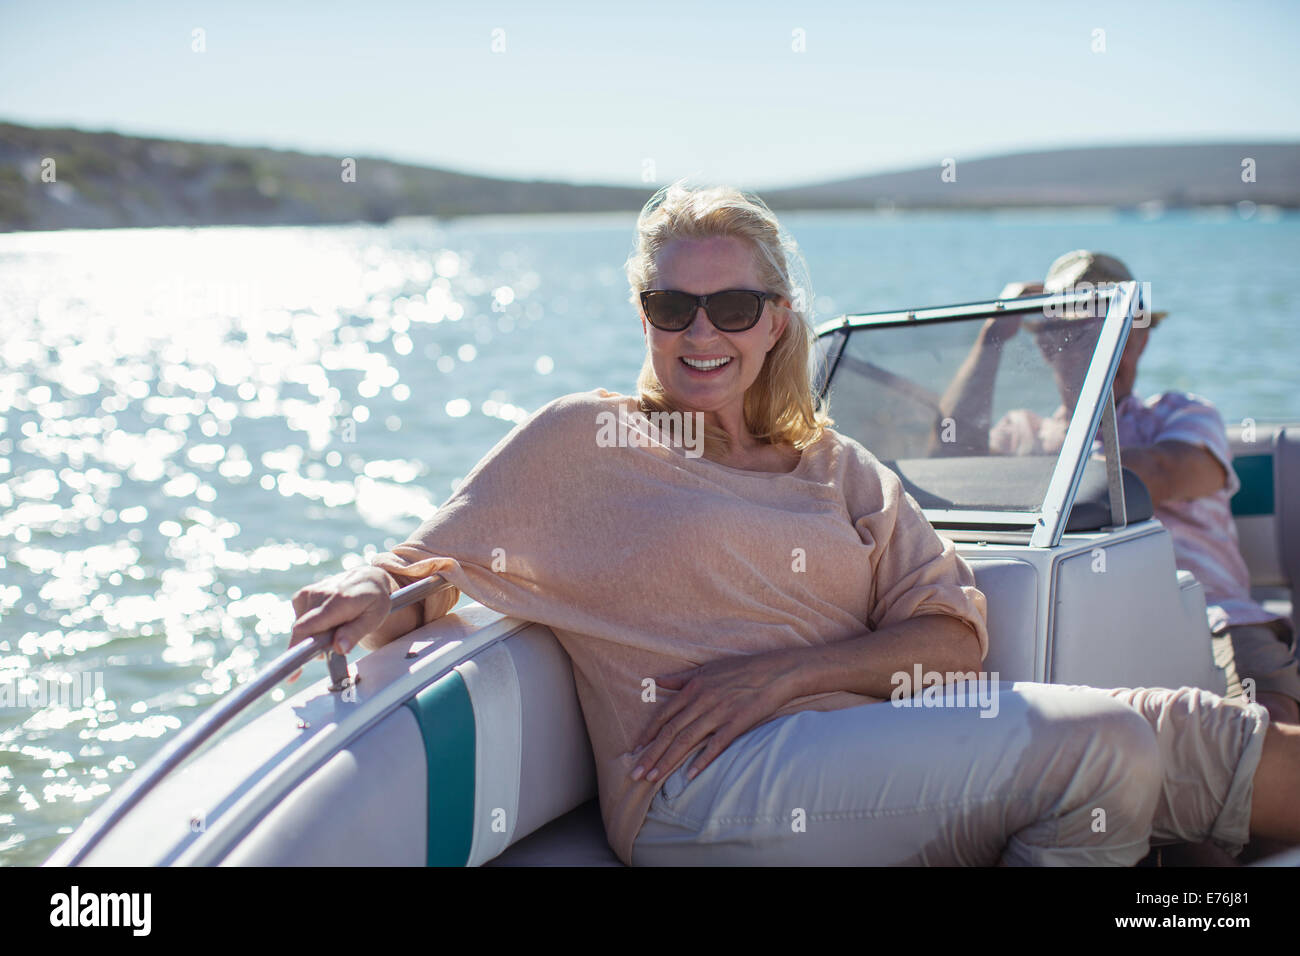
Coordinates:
1095	268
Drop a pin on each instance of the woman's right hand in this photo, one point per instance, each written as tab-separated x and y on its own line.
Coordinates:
357	602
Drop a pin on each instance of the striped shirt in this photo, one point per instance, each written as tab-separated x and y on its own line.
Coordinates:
1205	537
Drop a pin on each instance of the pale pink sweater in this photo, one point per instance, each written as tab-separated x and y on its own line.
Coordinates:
644	561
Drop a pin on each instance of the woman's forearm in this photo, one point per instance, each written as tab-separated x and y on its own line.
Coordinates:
867	664
395	625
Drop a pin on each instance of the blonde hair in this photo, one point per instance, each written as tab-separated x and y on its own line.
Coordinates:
780	406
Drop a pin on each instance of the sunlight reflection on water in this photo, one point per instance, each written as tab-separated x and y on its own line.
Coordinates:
197	422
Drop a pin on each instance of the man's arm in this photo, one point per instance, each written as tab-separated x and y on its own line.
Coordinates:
968	400
1175	470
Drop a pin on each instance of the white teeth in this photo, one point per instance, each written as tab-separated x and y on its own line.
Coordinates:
706	363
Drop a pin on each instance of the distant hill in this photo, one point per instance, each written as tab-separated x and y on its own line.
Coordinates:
109	180
106	179
1180	175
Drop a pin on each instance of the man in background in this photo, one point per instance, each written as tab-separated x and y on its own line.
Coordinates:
1176	443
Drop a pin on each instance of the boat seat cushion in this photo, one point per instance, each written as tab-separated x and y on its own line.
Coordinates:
575	839
1286	491
1266	509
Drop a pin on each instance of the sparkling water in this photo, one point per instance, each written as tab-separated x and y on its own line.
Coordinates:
197	422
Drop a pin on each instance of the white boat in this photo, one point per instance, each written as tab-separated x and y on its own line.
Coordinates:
463	742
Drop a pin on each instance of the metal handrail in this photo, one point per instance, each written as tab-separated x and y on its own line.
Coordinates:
194	736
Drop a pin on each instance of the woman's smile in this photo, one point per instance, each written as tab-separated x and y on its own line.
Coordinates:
707	366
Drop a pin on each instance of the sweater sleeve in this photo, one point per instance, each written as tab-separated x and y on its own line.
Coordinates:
481	538
916	571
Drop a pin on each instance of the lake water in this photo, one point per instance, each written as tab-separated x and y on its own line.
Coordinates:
197	422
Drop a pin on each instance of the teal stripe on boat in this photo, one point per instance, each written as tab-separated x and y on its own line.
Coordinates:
1256	494
446	718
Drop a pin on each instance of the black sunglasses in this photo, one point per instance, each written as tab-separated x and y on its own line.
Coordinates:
734	310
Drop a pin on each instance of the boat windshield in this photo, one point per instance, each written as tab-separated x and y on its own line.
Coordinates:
972	405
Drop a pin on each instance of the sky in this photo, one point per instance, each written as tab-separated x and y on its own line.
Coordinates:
757	94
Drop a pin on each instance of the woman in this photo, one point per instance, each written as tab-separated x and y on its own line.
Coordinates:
735	618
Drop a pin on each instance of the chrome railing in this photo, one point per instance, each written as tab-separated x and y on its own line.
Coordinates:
119	803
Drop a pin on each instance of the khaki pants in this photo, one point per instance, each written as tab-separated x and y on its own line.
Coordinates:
1061	775
1264	653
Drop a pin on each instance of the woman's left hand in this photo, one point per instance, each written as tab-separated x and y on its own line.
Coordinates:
722	698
